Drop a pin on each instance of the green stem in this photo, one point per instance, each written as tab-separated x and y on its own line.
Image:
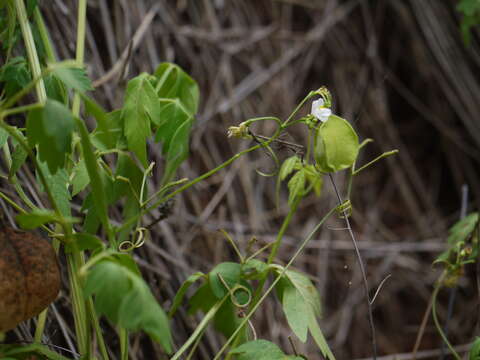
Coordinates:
438	286
78	302
13	180
42	318
123	343
234	246
299	106
80	51
309	145
281	232
21	109
385	154
272	286
31	50
195	345
97	328
200	328
44	36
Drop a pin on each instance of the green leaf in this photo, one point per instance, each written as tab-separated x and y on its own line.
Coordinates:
51	129
336	145
38	349
474	353
15	74
254	269
172	115
80	178
261	350
296	309
462	229
288	166
73	77
468	7
314	178
109	135
318	337
174	83
58	184
3	137
55	89
35	218
141	107
179	98
173	131
203	299
152	319
84	241
307	290
19	156
230	272
96	181
178	150
125	299
301	304
226	320
181	292
296	186
127	168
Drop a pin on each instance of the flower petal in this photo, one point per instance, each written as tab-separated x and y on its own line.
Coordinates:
324	114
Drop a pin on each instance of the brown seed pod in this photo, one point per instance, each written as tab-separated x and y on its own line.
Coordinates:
29	276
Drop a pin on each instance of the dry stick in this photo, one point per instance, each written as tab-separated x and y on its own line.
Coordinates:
453	291
132	46
362	269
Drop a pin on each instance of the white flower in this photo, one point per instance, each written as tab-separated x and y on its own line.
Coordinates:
319	110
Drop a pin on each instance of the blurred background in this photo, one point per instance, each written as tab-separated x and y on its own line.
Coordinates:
399	71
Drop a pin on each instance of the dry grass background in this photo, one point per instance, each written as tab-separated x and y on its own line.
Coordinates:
398	70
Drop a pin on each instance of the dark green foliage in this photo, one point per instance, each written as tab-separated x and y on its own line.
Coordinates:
124	298
51	129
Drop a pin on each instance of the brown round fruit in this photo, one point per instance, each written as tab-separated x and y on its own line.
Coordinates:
29	276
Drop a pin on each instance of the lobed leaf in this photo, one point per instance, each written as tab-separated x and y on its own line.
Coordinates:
296	186
73	77
174	83
141	106
15	74
125	299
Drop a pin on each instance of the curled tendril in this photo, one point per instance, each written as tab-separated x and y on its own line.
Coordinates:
139	237
240	307
274	156
234	290
344	209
